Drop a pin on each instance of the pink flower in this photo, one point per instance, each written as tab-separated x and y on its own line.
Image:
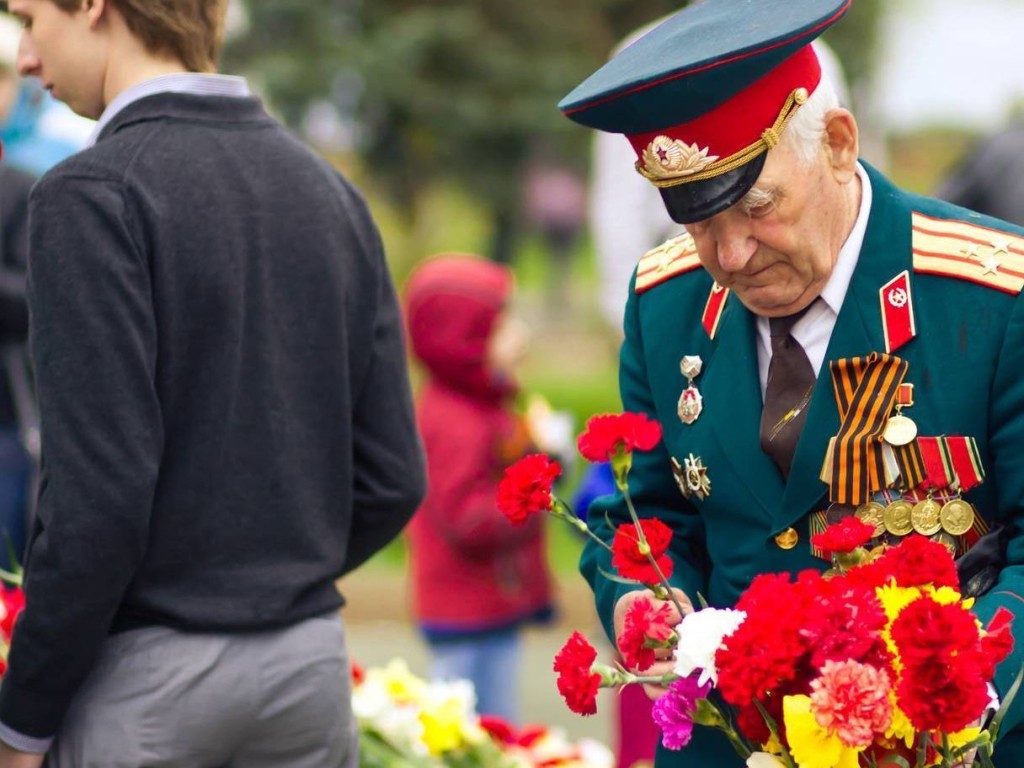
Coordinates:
673	711
851	700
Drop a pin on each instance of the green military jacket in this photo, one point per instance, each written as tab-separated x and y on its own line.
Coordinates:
966	361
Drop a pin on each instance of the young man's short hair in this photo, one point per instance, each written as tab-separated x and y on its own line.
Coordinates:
190	30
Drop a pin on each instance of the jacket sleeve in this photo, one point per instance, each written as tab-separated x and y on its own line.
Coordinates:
389	469
464	476
1007	472
653	491
92	321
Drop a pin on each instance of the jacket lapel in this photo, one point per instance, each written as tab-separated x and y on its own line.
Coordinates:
732	406
885	253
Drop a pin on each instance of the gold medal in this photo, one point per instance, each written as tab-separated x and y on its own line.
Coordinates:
957	517
873	513
897	518
925	517
899	430
696	476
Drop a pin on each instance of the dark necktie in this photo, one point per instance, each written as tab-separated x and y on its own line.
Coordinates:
790	383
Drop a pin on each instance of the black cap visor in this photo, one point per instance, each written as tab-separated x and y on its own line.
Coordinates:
699	200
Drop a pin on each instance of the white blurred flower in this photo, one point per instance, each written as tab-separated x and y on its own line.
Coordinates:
764	760
700	635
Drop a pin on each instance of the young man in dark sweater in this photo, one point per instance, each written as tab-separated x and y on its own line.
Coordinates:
225	411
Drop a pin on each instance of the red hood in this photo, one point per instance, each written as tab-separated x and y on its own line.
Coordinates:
451	304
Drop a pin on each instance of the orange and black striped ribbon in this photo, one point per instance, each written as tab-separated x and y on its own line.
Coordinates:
866	390
911	464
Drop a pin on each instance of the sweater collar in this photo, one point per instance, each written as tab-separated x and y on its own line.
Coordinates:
195	83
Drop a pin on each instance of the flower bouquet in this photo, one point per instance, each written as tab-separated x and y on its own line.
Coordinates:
878	661
407	722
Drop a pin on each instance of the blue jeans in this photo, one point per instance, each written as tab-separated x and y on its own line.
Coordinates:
491	663
15	470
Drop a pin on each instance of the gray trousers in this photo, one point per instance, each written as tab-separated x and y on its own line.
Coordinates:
160	698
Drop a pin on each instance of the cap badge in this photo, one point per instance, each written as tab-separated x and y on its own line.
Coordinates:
667	158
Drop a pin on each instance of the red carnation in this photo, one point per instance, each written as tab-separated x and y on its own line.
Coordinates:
526	487
609	434
630	562
845	536
997	642
577	684
641	623
916	561
943	682
500	730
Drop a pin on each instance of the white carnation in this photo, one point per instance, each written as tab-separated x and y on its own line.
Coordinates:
700	636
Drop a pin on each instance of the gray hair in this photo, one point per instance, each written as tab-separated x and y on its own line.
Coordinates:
806	129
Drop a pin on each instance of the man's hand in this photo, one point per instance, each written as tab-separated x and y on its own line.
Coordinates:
664	661
12	758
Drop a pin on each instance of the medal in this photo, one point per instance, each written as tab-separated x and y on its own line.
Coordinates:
925	517
695	475
897	517
691	477
691	403
957	517
872	513
899	429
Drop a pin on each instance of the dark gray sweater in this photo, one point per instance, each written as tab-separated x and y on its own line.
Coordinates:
226	416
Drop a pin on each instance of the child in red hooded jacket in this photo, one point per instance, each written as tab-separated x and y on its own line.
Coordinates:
476	579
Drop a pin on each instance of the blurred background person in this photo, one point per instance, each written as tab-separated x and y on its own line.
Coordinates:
36	132
990	179
476	579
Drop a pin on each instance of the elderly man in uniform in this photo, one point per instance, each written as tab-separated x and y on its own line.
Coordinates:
804	270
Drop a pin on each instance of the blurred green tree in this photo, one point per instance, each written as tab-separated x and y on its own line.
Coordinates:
459	91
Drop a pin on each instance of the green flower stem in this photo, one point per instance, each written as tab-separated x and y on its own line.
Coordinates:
646	549
563	511
10	577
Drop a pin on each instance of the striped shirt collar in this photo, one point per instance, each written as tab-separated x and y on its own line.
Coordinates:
197	83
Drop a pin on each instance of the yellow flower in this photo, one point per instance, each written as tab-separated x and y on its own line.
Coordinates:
811	745
900	728
443	726
401	685
949	596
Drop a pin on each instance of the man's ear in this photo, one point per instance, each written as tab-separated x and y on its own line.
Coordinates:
842	143
94	10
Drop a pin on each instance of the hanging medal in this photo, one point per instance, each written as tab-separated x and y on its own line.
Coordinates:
691	403
901	429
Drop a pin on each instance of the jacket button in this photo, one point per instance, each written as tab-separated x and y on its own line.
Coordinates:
787	539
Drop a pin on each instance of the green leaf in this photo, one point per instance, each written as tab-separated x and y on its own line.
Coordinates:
1011	694
621	579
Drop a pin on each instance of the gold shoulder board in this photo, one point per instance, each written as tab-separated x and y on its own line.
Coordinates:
968	251
671	258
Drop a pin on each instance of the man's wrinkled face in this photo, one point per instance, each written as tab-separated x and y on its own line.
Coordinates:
777	246
64	51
